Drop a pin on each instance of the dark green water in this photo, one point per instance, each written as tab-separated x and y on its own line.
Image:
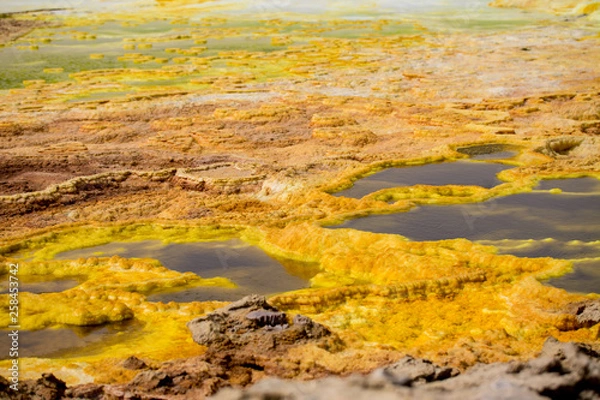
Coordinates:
570	219
452	173
64	342
247	266
40	284
487	152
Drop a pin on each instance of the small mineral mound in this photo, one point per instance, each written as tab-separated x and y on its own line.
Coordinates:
561	146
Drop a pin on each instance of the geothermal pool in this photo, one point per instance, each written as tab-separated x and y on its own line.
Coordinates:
252	270
74	340
247	266
542	223
452	173
42	285
487	152
482	174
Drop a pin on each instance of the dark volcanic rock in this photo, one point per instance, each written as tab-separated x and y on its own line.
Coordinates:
87	391
134	363
417	371
561	371
4	387
48	387
588	314
252	322
246	340
268	318
223	326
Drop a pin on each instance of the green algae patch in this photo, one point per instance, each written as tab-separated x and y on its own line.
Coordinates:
233	46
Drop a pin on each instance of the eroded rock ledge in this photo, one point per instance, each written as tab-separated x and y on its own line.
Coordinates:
251	324
561	371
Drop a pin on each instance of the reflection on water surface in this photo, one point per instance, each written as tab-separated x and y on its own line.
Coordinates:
247	266
438	174
520	224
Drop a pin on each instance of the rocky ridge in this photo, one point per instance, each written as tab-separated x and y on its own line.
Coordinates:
561	371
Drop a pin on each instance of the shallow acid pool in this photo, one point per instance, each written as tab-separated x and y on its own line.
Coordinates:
41	284
252	270
487	152
249	267
450	173
62	342
576	185
539	224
